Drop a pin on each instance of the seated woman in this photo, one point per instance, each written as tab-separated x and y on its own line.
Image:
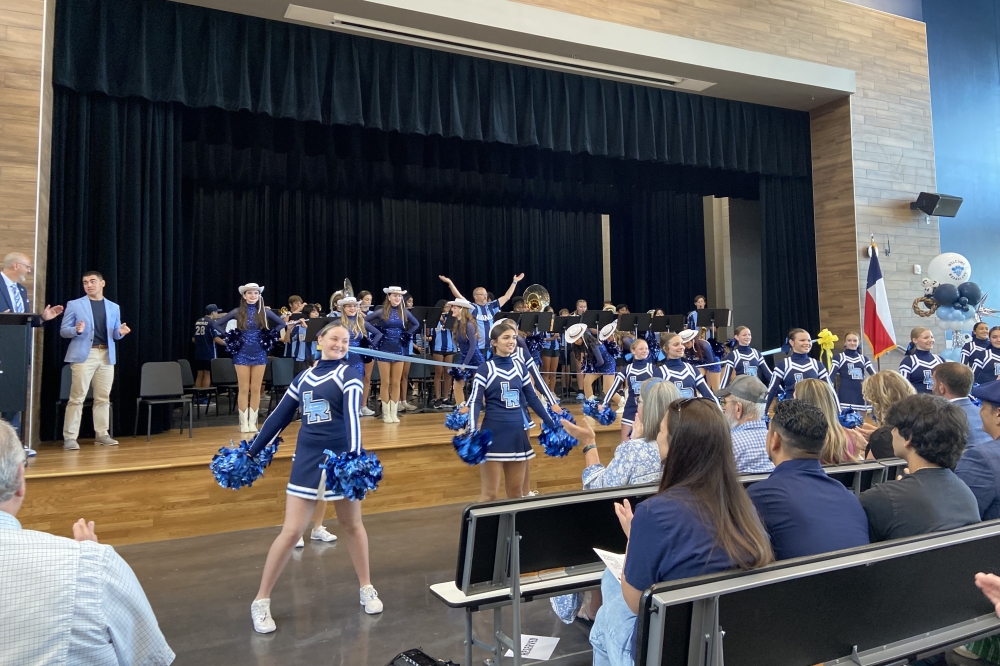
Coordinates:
842	445
700	522
882	390
637	460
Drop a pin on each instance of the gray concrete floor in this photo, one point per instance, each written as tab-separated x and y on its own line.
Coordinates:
201	589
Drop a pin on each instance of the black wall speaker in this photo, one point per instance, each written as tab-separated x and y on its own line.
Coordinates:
942	205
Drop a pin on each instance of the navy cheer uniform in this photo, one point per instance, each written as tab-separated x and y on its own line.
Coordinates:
745	361
469	353
329	395
918	367
986	364
205	334
851	366
790	372
392	330
631	377
534	372
251	352
499	390
355	360
970	348
686	378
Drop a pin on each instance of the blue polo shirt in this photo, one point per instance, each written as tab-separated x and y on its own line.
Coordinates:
979	467
805	512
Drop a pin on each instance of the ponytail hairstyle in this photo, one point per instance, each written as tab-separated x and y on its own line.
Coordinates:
497	331
914	334
978	324
740	329
665	339
243	315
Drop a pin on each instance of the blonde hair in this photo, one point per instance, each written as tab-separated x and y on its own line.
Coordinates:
820	394
357	327
917	332
883	390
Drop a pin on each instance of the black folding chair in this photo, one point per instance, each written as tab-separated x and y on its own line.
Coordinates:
65	386
282	374
187	377
160	384
224	379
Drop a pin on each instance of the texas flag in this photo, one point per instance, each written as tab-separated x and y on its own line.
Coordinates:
878	324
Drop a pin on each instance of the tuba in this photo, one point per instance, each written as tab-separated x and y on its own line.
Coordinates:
536	298
348	289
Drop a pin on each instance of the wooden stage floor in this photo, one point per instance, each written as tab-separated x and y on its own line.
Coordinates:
149	491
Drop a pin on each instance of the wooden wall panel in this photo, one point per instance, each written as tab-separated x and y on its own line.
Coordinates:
888	124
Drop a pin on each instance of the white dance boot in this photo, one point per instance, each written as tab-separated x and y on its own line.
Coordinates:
252	421
387	412
244	419
394	410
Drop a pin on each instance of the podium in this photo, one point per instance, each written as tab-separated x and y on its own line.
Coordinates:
15	359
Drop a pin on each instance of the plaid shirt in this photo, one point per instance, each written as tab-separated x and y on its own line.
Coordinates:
750	449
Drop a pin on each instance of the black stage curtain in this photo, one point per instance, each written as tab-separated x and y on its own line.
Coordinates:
116	207
201	58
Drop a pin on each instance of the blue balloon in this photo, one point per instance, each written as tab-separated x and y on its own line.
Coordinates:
946	313
969	313
971	291
952	354
946	294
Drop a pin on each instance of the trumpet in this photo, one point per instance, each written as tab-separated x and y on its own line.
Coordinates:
284	311
536	298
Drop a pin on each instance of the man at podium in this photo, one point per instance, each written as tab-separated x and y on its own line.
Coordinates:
14	300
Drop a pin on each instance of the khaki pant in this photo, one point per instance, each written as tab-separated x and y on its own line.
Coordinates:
96	368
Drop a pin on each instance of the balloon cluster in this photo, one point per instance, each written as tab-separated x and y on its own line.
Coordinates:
954	296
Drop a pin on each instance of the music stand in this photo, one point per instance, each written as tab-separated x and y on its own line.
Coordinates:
315	325
590	318
714	318
676	323
659	324
513	316
604	318
536	322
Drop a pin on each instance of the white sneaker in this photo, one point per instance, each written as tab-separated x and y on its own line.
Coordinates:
301	543
365	411
260	611
409	406
320	534
370	600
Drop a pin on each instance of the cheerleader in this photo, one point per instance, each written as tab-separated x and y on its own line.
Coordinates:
919	363
850	366
500	388
986	362
328	395
795	368
744	360
631	378
980	340
692	319
442	349
527	359
551	350
362	334
465	333
392	320
679	373
592	357
257	328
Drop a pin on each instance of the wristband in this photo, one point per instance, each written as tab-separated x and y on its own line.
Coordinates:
588	447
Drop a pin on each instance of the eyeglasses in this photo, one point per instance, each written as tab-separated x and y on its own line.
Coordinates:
679	405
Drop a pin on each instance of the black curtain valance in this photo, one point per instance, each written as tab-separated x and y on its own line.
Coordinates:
172	52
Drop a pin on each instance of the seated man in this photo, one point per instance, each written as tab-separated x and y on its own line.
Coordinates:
64	601
979	466
953	382
743	404
929	433
804	511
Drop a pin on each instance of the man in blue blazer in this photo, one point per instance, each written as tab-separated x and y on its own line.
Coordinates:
953	381
14	299
979	466
93	324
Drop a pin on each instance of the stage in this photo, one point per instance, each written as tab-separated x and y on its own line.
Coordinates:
151	491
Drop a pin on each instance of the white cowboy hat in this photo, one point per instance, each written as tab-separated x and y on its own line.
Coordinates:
688	335
347	300
250	285
506	321
575	332
607	331
394	290
462	303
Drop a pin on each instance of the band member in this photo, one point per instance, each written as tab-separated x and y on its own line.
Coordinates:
443	348
392	320
744	360
484	309
692	319
205	338
920	360
850	367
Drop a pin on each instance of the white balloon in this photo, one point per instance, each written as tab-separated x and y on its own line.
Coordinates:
950	268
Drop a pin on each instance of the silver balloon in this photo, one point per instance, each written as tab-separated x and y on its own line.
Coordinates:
983	311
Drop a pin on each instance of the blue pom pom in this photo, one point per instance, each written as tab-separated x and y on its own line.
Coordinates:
556	441
534	342
592	409
850	418
456	421
473	446
234	468
612	347
565	416
269	338
352	475
786	394
233	340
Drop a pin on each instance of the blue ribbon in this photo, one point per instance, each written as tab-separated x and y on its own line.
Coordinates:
374	353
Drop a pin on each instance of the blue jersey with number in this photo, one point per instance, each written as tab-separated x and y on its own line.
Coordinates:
204	339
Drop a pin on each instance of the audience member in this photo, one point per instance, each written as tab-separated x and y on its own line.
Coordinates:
699	522
842	445
638	460
804	511
953	382
743	405
66	601
882	390
979	466
929	433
